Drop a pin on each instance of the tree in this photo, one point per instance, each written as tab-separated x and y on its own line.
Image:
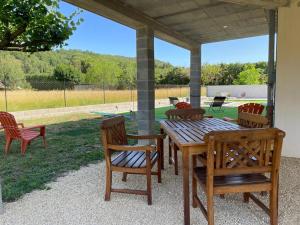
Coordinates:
11	73
34	25
67	73
250	76
176	76
210	74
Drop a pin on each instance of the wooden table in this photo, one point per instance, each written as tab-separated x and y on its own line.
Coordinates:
188	136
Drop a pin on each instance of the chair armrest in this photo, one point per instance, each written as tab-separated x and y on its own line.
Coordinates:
131	147
34	127
21	125
228	119
145	137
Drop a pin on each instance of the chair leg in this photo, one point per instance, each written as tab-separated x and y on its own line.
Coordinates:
108	184
159	168
176	159
23	146
148	174
44	141
246	197
7	144
210	209
124	178
194	183
170	151
274	207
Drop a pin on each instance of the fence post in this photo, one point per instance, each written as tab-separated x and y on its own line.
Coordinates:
1	203
103	89
65	100
5	91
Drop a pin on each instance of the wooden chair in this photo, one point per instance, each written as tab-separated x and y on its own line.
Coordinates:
250	120
130	159
185	114
237	161
24	134
253	108
183	105
181	114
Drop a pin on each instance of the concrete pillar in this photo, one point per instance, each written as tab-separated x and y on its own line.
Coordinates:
271	66
287	92
195	77
145	80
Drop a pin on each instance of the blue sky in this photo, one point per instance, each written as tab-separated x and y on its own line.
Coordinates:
101	35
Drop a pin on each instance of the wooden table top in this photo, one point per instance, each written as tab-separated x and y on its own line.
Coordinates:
192	132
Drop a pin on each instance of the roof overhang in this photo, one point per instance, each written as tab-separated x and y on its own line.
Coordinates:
188	23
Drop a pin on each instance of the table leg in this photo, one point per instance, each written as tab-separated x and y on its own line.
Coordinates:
162	151
186	187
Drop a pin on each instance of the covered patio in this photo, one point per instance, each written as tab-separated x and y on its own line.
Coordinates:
77	199
188	24
192	23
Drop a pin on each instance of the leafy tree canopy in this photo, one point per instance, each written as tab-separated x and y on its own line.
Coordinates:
34	25
68	73
250	75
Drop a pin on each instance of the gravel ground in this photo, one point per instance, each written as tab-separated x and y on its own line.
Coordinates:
77	198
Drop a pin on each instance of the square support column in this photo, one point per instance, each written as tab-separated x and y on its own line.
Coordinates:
195	77
145	80
287	108
271	67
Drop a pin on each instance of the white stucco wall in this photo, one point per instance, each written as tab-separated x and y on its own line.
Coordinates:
287	108
247	91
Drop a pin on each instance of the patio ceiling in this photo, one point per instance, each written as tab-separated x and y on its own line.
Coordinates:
188	23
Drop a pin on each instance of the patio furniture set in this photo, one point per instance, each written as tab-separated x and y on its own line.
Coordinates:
227	157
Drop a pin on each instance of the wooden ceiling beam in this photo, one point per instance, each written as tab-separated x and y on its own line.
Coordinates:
129	16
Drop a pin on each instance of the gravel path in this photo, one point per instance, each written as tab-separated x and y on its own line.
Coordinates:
77	199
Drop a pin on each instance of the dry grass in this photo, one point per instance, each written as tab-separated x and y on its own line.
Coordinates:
22	100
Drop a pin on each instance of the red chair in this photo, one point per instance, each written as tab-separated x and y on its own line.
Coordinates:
183	105
253	108
25	135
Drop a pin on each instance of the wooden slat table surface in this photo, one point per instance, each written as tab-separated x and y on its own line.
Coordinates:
189	137
192	132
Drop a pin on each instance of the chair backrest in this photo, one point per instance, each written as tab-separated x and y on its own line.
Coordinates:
173	100
183	105
113	131
218	101
249	151
253	108
9	125
250	120
185	114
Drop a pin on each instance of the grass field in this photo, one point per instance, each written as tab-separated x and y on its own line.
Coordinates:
22	100
73	141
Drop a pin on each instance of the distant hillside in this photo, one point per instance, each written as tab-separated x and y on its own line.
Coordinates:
38	70
79	67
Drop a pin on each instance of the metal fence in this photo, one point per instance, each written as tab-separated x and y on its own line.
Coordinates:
42	94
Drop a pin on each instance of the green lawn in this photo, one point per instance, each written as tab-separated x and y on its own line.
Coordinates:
73	141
